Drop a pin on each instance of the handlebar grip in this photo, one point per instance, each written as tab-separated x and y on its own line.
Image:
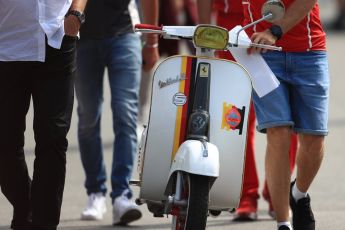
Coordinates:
269	47
148	27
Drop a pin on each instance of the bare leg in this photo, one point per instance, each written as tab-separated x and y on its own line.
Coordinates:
309	158
278	169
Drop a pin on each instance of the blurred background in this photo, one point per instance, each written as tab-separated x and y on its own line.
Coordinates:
328	190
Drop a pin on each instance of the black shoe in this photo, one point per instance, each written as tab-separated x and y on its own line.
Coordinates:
283	227
302	215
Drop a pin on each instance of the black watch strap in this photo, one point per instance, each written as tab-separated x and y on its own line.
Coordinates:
276	31
78	14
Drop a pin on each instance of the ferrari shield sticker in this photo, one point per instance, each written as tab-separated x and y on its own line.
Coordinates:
204	69
232	117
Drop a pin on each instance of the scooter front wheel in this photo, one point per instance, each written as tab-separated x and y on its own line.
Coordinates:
192	192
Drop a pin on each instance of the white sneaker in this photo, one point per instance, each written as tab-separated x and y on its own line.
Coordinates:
125	210
96	207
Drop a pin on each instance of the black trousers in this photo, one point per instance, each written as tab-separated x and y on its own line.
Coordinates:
50	84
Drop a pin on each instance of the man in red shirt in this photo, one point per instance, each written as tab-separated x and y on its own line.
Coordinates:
299	104
229	13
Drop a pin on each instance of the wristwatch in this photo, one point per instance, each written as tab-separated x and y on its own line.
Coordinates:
78	14
276	31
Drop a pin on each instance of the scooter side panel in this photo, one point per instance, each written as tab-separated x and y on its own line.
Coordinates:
167	102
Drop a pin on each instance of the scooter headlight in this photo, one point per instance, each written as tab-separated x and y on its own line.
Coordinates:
212	37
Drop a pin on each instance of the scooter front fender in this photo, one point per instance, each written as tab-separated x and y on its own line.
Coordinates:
193	157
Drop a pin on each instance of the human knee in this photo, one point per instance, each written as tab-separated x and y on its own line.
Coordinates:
125	113
311	144
279	136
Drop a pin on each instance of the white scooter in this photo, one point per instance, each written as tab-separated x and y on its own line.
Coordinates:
192	152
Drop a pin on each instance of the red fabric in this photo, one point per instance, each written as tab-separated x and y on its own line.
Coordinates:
306	35
228	6
293	151
250	179
228	21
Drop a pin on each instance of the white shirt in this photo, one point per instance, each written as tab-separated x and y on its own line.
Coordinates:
24	25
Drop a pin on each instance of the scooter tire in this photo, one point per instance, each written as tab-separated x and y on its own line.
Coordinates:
196	190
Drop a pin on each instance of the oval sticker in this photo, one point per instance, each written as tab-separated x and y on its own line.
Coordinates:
179	99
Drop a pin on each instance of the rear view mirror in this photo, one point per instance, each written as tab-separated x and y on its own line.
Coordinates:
274	7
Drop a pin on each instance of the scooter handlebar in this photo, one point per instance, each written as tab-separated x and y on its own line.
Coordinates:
146	28
168	32
239	38
268	47
177	32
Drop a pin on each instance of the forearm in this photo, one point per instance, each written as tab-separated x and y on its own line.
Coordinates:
72	23
295	13
204	11
78	5
150	13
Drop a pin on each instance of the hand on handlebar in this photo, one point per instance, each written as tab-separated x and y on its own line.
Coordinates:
264	38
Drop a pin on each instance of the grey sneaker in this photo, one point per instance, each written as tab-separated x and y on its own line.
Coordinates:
125	210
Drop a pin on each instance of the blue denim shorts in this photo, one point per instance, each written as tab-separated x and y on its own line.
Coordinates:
301	100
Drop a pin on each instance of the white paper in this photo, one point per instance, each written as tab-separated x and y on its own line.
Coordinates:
263	79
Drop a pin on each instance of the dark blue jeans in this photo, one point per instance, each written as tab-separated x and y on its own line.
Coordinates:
122	57
50	85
